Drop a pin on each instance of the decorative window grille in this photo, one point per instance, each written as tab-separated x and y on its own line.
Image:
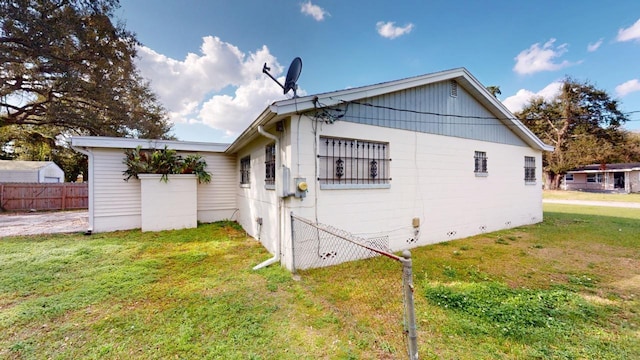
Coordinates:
270	165
245	170
529	169
480	163
353	161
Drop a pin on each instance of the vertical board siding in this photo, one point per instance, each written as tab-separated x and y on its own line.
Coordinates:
432	110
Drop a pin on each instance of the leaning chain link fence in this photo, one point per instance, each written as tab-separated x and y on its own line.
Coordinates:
373	301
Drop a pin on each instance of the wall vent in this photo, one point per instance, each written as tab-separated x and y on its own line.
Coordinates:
453	88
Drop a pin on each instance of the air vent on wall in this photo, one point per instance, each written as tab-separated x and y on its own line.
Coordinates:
453	88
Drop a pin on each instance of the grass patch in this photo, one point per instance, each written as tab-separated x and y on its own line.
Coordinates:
566	288
590	196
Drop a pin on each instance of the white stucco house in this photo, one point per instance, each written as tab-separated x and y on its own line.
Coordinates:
618	177
21	171
415	161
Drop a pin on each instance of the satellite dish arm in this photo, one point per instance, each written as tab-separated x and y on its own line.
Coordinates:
265	69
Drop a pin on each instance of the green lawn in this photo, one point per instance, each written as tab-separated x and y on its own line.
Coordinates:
567	288
582	195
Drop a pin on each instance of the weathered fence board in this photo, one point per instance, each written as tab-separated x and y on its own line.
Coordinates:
57	196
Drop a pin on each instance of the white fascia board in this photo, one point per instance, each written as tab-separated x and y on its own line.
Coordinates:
266	117
128	143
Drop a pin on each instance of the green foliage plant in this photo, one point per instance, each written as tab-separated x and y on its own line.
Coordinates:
165	162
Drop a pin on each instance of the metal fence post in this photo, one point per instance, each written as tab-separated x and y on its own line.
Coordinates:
407	275
293	244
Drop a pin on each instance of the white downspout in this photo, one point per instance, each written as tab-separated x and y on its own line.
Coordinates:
276	256
91	182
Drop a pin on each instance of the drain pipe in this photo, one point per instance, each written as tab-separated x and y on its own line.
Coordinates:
276	257
89	177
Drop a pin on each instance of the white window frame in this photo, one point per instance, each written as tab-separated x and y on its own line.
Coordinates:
529	170
245	171
270	166
596	178
480	164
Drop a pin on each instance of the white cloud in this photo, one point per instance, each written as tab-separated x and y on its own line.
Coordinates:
314	11
628	87
594	46
537	58
234	113
630	33
523	97
390	31
221	86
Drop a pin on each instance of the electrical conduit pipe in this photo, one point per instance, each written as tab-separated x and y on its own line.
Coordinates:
276	257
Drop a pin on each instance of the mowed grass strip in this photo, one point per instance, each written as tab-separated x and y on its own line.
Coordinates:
590	196
565	288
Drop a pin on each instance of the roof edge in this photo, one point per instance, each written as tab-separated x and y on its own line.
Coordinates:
130	143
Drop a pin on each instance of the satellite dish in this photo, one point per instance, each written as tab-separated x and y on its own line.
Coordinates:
291	81
292	76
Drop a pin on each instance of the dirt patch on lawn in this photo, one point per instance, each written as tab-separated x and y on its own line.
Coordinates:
15	224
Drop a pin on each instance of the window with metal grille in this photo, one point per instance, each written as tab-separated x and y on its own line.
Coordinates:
530	169
245	170
480	163
353	162
270	166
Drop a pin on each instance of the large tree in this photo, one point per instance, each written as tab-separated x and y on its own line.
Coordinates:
582	123
65	64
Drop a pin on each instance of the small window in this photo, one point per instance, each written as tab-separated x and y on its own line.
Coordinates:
568	177
480	163
270	166
594	178
529	169
245	170
353	163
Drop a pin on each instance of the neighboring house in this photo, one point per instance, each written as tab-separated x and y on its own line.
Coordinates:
409	162
622	177
19	171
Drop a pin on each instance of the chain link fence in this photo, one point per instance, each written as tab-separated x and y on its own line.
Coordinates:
366	287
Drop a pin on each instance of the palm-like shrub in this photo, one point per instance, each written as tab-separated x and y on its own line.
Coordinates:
165	162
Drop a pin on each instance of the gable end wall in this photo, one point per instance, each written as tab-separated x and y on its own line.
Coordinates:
425	102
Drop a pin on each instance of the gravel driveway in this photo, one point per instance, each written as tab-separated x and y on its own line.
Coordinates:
34	223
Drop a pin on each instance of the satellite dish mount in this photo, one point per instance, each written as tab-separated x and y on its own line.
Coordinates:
291	81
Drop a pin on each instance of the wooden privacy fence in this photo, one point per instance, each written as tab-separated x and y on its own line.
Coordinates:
54	196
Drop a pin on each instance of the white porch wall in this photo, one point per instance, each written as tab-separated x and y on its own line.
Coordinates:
433	180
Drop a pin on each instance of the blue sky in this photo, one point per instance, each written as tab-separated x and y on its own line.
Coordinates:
204	58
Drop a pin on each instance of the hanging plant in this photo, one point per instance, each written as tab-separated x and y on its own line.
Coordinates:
165	162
